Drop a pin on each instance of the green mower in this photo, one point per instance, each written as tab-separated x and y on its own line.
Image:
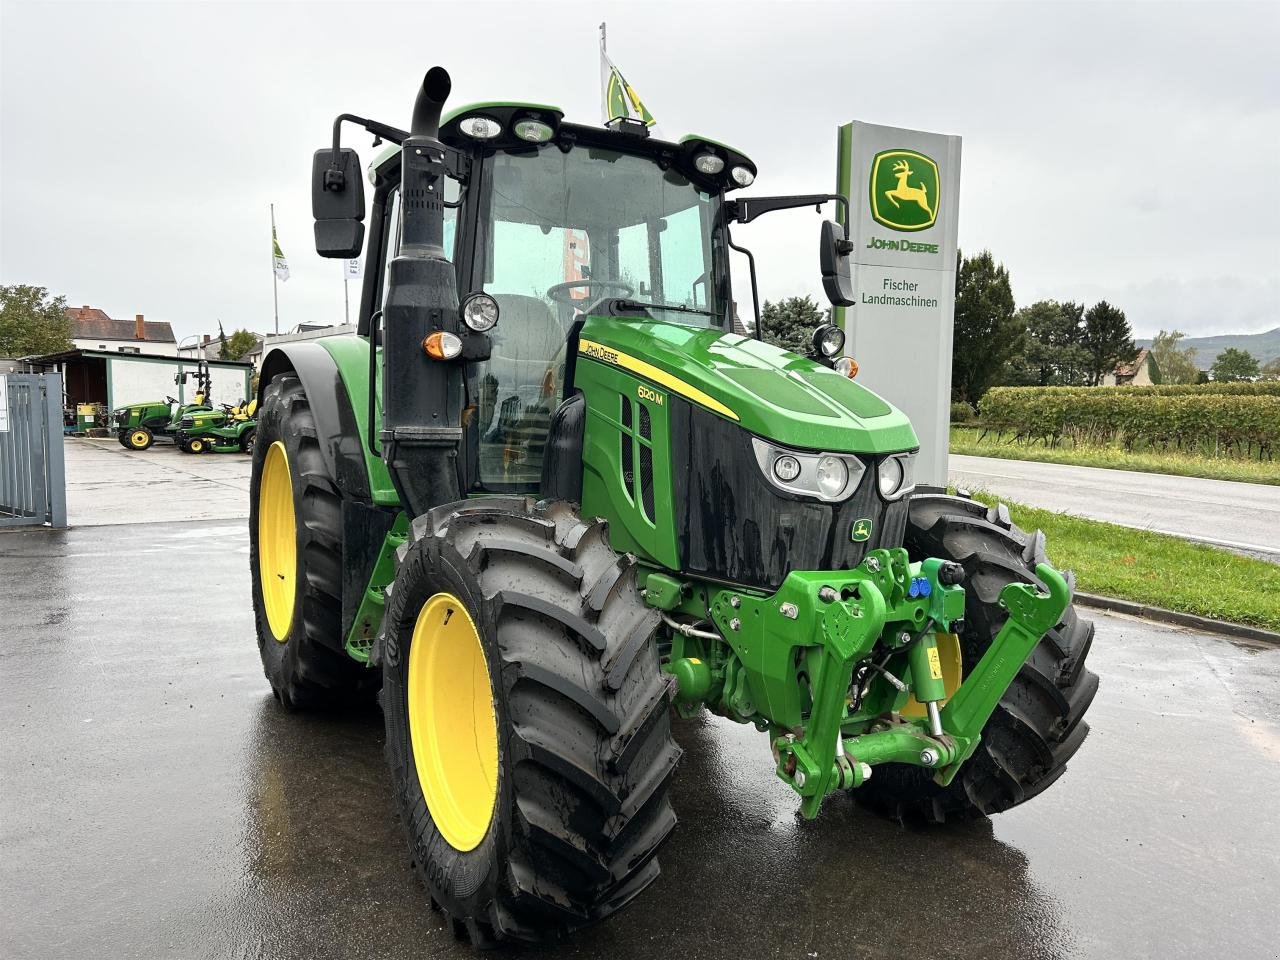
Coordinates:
229	430
139	425
545	500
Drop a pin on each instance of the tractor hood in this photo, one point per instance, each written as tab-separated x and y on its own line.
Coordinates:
771	392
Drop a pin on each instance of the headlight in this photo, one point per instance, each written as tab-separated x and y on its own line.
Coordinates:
832	476
480	312
708	163
742	176
828	340
823	476
534	131
480	128
786	468
896	475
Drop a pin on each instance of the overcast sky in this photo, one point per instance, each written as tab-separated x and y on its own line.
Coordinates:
1130	153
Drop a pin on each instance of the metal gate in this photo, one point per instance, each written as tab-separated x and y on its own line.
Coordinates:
33	483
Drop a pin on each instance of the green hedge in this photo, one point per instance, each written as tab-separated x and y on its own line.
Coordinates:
961	412
1230	420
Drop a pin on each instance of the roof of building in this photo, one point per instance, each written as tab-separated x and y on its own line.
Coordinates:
1131	369
79	352
91	323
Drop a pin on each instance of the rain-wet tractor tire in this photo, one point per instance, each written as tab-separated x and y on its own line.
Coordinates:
568	831
1039	723
302	651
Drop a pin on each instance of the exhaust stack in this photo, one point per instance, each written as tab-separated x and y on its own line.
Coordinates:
421	424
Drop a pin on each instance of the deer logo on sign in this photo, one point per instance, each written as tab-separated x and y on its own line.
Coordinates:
904	190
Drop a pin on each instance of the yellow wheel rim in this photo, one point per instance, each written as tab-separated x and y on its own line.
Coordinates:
138	439
195	446
452	724
952	673
277	541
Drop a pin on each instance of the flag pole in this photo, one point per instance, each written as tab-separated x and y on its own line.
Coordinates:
603	40
346	297
275	281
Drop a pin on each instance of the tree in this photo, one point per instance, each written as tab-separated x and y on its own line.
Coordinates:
1177	364
790	323
239	343
32	322
1235	364
1054	355
988	335
1271	369
1108	340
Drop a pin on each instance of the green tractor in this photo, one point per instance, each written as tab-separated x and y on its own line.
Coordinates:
229	430
546	499
139	425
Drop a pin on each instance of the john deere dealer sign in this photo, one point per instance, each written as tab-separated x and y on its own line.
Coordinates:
903	189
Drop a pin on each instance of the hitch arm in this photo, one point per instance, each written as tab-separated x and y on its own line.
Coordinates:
1031	615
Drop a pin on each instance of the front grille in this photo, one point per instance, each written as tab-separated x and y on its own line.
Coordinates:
735	526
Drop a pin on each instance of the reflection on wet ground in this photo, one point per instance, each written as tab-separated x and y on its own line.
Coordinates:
156	802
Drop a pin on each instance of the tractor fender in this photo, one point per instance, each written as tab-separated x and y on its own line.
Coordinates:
336	428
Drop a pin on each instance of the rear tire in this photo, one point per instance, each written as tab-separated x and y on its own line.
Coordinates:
247	440
308	666
1038	725
585	753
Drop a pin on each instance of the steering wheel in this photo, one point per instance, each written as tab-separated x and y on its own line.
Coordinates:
560	292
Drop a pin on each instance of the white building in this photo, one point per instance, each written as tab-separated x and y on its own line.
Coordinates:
92	329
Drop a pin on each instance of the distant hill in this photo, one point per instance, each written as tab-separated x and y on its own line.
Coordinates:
1264	346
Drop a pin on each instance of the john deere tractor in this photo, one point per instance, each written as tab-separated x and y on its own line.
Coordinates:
231	429
546	499
138	425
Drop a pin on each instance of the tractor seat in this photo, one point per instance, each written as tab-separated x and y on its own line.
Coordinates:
527	343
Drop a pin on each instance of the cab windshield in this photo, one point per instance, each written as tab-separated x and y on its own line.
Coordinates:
560	233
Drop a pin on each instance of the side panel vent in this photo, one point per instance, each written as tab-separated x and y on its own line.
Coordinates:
646	462
627	452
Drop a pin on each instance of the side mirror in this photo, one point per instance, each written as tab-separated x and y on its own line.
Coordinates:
337	203
837	270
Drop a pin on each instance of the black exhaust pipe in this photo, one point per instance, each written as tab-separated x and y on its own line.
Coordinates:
431	97
422	398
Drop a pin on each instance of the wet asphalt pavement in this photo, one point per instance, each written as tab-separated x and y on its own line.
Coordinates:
156	802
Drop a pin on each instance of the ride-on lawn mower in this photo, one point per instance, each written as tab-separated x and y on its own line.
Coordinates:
139	425
545	515
229	430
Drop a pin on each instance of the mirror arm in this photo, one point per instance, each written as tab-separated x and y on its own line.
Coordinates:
751	267
334	179
746	209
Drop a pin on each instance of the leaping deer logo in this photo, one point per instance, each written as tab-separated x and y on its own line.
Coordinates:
907	193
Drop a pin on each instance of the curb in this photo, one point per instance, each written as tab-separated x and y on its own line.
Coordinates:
1161	615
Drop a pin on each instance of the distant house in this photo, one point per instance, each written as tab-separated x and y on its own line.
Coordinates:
1143	372
92	329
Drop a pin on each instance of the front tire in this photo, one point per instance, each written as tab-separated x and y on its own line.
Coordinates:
1038	725
295	560
568	831
138	438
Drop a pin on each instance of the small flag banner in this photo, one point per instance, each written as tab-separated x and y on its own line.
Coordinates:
278	262
351	269
617	97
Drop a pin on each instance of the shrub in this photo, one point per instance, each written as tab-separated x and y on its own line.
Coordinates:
1237	419
961	412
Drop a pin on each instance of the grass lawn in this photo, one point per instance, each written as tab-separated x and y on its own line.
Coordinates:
1155	569
965	440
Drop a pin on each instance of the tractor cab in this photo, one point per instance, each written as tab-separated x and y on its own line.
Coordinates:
546	223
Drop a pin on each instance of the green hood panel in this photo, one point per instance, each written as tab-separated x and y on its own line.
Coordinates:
771	392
